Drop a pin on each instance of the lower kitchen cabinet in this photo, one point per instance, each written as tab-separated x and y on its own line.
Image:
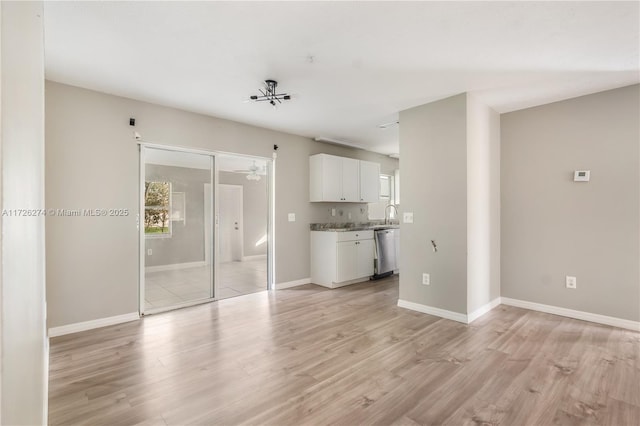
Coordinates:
341	258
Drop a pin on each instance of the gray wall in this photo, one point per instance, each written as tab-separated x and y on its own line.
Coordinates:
92	161
187	238
433	152
552	226
255	207
24	341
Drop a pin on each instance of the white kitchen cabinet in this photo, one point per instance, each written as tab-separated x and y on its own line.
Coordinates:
369	182
350	179
346	261
364	258
341	258
341	179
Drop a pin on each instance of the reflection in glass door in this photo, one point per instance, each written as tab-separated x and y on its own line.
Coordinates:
243	216
176	221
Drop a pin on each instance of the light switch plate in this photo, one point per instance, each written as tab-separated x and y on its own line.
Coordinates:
292	217
407	217
582	175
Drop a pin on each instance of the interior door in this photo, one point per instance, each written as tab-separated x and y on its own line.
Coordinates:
230	222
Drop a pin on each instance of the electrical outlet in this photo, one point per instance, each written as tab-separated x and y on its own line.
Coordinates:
333	212
292	217
149	252
407	217
571	282
426	279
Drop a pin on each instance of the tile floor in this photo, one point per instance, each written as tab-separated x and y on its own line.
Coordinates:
169	288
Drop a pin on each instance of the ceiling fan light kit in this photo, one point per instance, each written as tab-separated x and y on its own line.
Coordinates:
253	172
268	94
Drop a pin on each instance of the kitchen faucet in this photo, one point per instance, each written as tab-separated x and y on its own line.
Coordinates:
385	212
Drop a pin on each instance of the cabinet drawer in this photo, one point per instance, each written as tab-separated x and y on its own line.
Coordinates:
354	235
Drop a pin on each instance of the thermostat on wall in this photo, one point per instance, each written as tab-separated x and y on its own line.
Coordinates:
581	175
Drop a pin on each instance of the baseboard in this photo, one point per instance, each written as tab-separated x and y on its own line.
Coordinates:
570	313
254	257
442	313
90	325
295	283
174	266
482	310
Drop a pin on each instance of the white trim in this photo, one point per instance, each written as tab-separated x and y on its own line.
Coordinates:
254	257
295	283
443	313
271	224
174	266
90	325
482	310
570	313
142	242
187	304
45	385
181	148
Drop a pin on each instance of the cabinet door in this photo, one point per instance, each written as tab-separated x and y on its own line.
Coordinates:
365	258
331	178
350	179
369	182
347	260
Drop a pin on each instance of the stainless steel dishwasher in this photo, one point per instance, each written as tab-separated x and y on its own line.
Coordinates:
387	252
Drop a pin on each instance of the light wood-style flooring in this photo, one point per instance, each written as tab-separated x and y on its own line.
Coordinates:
350	356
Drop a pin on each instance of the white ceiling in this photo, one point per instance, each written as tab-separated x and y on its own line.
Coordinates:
350	66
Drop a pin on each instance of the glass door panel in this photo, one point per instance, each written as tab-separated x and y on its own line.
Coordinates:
178	231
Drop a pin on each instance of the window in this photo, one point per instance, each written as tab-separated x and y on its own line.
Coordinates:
157	207
385	187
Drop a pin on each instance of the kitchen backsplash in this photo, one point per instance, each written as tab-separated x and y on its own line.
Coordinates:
344	212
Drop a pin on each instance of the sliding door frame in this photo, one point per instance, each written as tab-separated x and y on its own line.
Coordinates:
214	250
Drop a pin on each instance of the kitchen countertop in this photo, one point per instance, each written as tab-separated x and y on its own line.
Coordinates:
349	226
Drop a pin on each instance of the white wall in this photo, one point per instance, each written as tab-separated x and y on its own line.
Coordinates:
24	342
483	204
553	226
92	161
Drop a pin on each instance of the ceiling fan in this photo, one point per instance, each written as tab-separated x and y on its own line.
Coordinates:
253	172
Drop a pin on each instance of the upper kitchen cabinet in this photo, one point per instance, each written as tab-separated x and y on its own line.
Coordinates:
341	179
369	182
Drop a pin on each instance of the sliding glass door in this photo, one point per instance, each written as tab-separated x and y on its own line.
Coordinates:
177	228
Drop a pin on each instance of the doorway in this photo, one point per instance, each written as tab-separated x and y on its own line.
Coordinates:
176	228
204	225
243	207
231	222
